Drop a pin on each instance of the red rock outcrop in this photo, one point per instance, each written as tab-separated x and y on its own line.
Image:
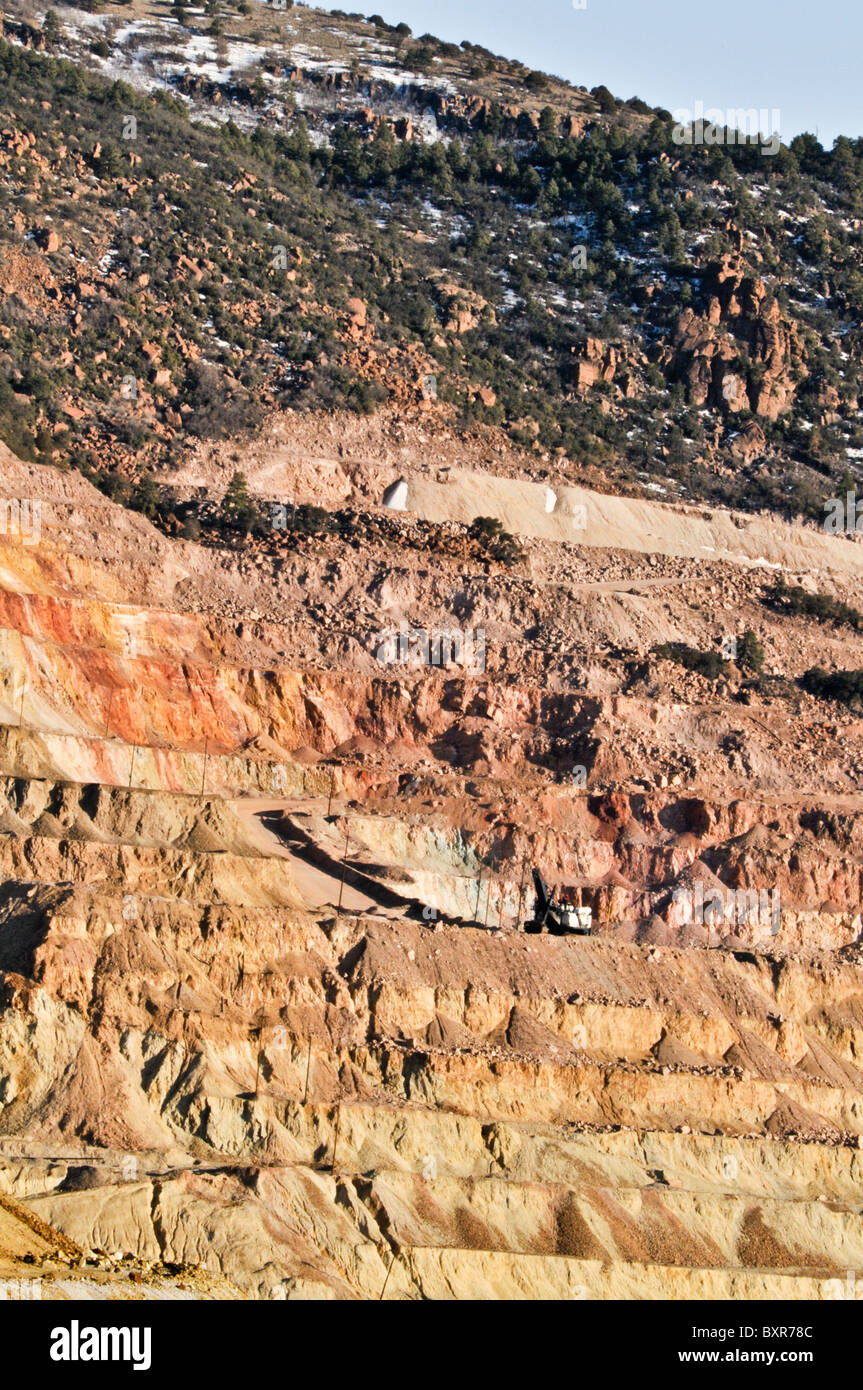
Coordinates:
742	353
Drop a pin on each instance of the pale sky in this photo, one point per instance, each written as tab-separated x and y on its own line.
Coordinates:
802	57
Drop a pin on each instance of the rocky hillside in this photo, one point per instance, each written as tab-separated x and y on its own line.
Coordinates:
413	476
211	218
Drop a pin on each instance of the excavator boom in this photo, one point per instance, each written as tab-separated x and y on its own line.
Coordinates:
557	918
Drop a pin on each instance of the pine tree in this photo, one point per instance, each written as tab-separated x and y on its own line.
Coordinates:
51	31
750	652
146	498
237	509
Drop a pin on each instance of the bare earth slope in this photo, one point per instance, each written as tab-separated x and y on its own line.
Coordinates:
268	1025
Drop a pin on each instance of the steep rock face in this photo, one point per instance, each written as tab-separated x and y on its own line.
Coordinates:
597	362
268	1023
742	354
292	1106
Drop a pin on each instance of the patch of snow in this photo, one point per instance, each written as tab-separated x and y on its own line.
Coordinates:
428	128
210	70
198	45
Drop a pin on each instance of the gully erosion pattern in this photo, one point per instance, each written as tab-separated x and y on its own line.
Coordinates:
269	1024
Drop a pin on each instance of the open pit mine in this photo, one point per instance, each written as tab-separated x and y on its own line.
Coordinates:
271	1024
